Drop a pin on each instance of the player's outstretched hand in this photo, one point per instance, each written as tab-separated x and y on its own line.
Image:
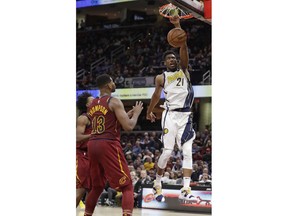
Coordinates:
151	117
137	109
175	19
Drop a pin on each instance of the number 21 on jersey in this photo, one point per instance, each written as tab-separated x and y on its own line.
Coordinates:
180	81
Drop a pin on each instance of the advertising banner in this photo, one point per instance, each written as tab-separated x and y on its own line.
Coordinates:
172	202
146	93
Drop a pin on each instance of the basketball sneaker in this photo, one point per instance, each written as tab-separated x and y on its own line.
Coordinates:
186	194
109	203
157	191
81	204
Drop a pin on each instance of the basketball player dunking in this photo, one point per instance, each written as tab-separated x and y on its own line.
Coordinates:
176	118
107	160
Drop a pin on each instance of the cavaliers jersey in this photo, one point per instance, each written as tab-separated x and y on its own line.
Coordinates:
178	91
81	146
104	122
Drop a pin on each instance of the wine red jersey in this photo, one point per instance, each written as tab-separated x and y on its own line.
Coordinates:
104	122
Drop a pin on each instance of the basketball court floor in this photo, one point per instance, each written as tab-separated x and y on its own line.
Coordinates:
117	211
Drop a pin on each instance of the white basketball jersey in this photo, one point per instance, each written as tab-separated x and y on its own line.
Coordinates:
178	90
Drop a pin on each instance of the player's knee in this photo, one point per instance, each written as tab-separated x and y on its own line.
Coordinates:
166	154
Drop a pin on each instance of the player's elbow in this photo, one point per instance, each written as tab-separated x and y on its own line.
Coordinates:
127	128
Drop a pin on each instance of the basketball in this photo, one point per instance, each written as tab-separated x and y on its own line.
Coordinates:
176	37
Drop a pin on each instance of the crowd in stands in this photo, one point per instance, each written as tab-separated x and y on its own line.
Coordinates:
140	51
142	151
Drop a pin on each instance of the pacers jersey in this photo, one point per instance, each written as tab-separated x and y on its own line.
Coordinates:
178	91
81	146
104	122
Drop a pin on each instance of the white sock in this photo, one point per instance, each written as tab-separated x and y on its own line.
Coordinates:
186	182
158	179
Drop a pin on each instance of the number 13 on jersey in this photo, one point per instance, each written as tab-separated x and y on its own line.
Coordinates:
98	124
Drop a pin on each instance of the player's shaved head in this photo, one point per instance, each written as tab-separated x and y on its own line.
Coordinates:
102	80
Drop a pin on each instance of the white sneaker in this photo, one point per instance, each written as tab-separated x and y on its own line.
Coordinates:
157	191
186	194
109	203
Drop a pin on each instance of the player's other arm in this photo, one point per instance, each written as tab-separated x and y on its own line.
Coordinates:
159	81
127	123
82	121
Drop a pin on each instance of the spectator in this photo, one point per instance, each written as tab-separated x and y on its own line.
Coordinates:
134	177
82	24
119	81
207	156
144	179
151	144
166	178
128	148
197	156
198	139
147	153
149	164
152	174
176	153
129	159
170	163
195	173
173	177
205	171
205	179
168	169
144	142
179	180
195	148
137	162
177	166
136	150
156	154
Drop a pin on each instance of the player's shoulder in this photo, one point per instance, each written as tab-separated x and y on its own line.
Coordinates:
114	100
83	118
114	103
160	76
159	79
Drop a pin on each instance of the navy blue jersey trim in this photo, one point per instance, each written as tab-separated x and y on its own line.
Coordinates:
188	131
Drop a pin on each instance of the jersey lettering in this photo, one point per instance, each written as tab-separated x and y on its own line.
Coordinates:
98	125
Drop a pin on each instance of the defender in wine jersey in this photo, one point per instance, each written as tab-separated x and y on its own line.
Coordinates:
83	130
176	119
107	161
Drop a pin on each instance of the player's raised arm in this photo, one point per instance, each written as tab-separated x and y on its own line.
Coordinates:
184	55
127	123
159	82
